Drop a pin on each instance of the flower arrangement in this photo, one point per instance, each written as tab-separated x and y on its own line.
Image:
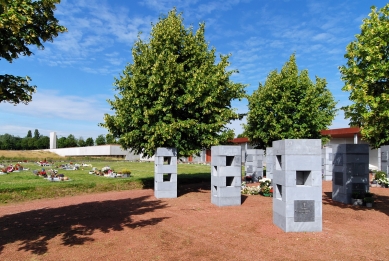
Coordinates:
381	178
105	169
266	188
125	171
249	190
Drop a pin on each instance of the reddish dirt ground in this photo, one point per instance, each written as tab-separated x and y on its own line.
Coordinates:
134	225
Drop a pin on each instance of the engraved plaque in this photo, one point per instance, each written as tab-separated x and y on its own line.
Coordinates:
338	160
249	158
304	211
338	178
250	169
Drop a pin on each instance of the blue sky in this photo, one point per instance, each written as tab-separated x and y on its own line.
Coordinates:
75	73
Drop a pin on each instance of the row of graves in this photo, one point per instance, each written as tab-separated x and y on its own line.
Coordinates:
11	168
110	173
294	173
51	175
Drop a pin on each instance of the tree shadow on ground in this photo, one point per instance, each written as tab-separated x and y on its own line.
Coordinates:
381	203
186	183
76	223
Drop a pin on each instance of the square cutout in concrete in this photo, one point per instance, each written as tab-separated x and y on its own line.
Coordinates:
303	178
214	171
214	190
278	162
229	181
229	160
279	191
167	177
167	160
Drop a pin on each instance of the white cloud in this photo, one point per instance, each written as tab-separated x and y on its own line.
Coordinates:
51	105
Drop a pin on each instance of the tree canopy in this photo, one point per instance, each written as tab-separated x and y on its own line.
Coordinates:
289	106
366	77
174	94
24	23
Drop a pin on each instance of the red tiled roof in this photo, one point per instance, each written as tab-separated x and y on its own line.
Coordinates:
334	133
240	140
343	132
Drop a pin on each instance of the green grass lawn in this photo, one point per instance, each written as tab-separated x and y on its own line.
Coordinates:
24	185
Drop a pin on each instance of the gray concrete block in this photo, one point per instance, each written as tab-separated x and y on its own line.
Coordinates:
165	186
279	221
223	181
172	152
297	147
226	191
165	168
302	193
301	162
165	194
228	171
226	150
292	226
158	177
224	202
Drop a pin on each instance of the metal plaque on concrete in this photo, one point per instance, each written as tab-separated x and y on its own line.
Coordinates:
338	178
304	211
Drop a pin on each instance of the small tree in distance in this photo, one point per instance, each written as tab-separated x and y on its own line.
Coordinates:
100	140
289	106
89	142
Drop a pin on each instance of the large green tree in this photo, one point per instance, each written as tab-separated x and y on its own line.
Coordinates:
366	77
175	93
24	23
289	106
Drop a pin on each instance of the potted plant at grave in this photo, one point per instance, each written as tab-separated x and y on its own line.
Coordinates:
265	188
381	178
356	198
369	199
125	172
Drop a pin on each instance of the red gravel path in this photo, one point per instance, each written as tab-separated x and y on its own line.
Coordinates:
134	225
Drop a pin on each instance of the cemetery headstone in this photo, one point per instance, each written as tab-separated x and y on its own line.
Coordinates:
226	175
253	164
350	170
165	174
297	196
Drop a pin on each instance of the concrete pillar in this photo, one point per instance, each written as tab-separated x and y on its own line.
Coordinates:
53	140
297	196
165	174
226	175
350	171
